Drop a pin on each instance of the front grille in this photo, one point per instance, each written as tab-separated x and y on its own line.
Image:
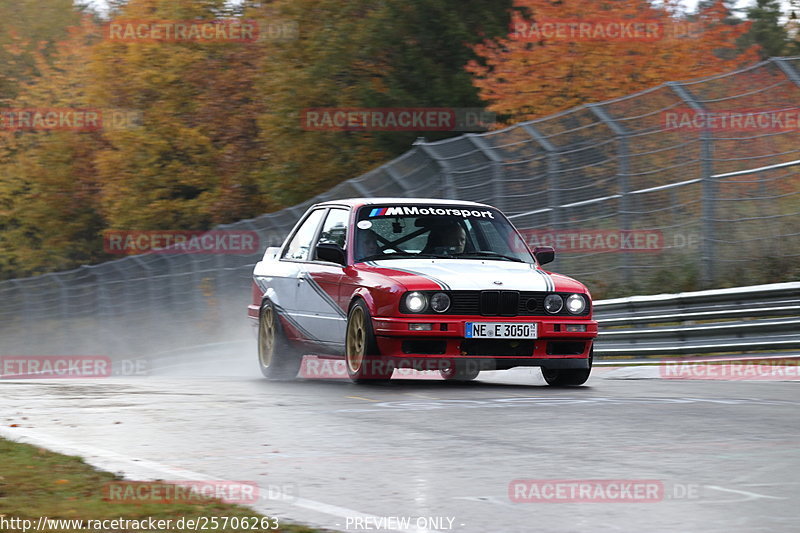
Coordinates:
490	303
425	347
512	347
500	303
565	348
464	303
509	303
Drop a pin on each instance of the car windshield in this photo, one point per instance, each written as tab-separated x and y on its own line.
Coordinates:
436	231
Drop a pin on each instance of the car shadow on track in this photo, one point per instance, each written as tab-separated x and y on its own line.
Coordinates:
410	384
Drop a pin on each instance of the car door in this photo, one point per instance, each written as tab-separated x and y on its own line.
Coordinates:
320	285
290	274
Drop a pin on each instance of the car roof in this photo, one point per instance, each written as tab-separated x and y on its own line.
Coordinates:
358	202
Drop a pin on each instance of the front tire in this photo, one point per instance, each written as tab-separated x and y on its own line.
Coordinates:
568	377
361	350
277	360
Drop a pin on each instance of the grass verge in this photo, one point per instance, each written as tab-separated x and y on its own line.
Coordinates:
35	483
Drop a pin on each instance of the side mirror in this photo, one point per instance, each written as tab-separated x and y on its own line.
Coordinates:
331	252
544	254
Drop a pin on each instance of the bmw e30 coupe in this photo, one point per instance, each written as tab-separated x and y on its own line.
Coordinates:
442	285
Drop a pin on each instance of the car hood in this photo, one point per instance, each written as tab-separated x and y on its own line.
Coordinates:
469	274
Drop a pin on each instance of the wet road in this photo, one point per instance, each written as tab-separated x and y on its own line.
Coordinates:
723	455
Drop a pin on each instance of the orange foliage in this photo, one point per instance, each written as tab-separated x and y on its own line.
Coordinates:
532	73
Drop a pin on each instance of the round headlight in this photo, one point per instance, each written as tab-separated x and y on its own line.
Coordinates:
416	302
440	302
576	304
553	303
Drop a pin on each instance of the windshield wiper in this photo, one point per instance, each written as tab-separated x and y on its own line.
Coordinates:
484	253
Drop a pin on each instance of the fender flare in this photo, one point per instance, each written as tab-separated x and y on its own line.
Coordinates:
364	294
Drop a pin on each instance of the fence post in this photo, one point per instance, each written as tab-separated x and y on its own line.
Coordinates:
149	323
498	176
623	187
363	191
64	326
270	234
709	194
787	69
392	173
448	186
26	313
553	192
28	321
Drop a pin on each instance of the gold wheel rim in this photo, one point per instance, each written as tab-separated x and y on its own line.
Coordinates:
356	340
267	341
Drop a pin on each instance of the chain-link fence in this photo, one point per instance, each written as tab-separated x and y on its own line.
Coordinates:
640	194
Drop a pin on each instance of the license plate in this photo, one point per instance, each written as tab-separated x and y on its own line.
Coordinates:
499	330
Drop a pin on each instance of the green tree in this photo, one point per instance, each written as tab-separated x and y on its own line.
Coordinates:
360	54
770	30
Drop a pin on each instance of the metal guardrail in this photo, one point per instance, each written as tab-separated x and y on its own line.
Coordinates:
742	320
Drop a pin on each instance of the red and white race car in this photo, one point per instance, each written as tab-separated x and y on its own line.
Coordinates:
428	284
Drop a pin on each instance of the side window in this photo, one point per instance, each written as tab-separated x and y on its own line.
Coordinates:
301	242
334	230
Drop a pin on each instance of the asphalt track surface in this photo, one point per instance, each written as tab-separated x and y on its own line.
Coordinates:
726	454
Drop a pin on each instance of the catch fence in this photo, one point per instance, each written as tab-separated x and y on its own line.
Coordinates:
687	185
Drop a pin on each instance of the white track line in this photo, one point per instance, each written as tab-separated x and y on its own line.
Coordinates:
143	468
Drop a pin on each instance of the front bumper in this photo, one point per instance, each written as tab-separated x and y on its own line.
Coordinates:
446	339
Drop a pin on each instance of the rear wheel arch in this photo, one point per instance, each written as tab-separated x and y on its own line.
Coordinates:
290	340
269	296
277	359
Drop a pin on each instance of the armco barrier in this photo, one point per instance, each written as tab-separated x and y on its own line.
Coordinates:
760	319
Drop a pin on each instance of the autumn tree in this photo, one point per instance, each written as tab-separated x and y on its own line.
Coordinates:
360	54
529	73
186	162
192	162
29	30
49	211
